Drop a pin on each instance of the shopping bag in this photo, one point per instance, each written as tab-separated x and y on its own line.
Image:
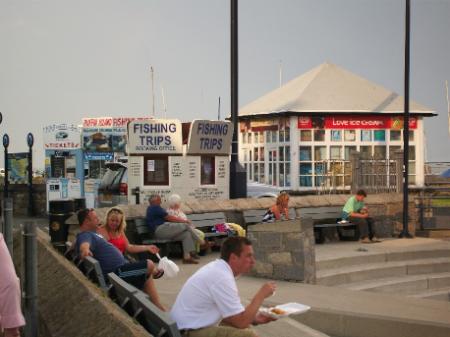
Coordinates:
170	268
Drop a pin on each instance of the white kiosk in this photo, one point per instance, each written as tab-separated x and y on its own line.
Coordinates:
160	163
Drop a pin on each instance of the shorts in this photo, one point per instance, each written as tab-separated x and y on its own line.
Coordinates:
135	273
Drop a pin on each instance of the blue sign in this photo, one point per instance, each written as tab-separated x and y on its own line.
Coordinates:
108	156
30	139
5	140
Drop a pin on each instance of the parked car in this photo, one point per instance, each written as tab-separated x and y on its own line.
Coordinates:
113	189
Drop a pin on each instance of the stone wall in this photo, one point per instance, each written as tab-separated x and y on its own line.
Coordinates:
69	305
19	193
284	250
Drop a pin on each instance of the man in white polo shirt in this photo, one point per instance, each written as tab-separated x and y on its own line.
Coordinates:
210	296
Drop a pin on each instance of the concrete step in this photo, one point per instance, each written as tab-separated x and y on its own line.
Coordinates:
407	284
434	233
437	295
287	327
366	257
372	271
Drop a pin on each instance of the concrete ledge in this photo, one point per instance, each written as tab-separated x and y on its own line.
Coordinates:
69	304
362	325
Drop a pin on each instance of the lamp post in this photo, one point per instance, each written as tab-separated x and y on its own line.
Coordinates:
238	175
405	233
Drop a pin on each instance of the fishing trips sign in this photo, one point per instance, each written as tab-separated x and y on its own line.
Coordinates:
210	137
155	136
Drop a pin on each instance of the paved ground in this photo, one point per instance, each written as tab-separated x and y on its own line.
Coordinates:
329	299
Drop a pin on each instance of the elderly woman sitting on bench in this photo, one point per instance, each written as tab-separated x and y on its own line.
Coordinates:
165	226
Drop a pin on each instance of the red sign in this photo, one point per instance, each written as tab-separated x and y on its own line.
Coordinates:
304	123
356	122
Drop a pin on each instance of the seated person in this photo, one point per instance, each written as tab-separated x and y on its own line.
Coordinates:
280	208
210	296
355	211
114	232
175	228
175	210
11	318
90	243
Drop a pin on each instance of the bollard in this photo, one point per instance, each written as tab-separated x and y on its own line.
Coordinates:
8	223
30	290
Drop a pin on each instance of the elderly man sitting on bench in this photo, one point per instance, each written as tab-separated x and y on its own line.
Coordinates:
165	226
90	243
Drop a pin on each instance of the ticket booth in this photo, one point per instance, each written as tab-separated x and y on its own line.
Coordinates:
63	161
159	162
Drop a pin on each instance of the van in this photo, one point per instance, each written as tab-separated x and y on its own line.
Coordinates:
113	189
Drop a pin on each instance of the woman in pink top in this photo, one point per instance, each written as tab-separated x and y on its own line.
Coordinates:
114	232
11	318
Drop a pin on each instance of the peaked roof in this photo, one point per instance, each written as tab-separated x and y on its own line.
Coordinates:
328	88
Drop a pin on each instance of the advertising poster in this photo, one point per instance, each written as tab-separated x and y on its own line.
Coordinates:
105	134
17	165
61	137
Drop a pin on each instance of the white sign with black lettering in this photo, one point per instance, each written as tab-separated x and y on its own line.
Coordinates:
210	137
162	136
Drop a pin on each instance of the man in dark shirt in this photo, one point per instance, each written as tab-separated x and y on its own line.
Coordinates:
165	226
89	243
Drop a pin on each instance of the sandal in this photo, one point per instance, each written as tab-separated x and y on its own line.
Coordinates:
158	274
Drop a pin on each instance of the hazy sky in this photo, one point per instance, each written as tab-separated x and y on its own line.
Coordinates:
63	60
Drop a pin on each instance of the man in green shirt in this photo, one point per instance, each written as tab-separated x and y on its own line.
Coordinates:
356	212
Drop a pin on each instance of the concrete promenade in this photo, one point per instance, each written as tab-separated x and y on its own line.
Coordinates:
337	311
341	312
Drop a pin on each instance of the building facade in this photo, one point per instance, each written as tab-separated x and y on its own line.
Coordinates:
301	135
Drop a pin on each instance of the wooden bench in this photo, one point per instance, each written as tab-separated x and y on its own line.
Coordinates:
155	321
138	305
328	217
93	271
202	221
121	292
254	216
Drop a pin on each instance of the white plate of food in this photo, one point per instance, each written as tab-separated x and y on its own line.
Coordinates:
284	310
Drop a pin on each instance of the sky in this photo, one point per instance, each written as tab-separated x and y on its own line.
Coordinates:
63	60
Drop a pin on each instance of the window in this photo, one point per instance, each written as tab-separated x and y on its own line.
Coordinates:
320	153
261	153
207	170
244	137
335	152
249	137
392	150
156	170
349	135
256	137
256	154
412	153
319	135
274	136
268	136
336	135
305	135
305	153
347	151
366	135
379	151
366	152
396	135
379	135
411	135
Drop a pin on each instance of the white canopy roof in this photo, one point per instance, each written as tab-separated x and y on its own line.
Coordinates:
330	89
